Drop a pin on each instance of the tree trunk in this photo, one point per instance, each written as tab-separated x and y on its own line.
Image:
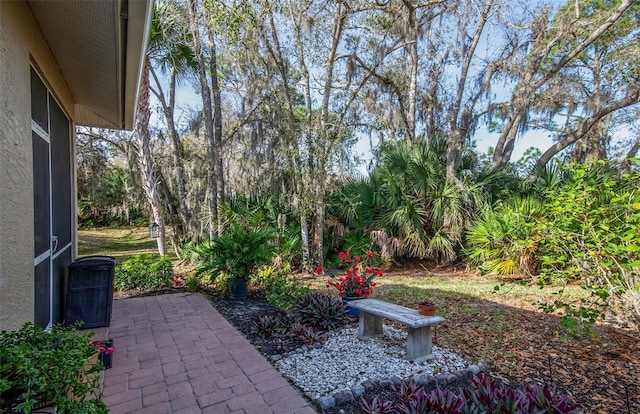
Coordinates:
207	112
304	237
459	127
412	60
318	234
593	146
306	166
145	160
217	129
177	151
323	148
293	157
506	141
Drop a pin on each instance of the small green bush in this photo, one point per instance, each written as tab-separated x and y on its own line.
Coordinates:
280	286
192	284
38	365
236	255
591	235
584	230
505	239
144	272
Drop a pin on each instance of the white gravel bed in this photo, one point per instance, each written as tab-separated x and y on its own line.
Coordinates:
346	361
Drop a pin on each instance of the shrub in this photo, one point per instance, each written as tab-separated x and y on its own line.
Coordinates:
591	236
377	406
305	323
295	329
505	238
36	366
310	335
144	272
585	230
281	287
321	311
191	284
288	247
359	274
408	390
236	255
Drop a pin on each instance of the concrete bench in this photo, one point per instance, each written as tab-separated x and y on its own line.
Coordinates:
372	311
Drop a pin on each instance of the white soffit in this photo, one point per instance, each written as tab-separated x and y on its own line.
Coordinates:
99	47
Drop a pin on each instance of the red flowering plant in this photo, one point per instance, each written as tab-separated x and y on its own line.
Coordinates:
358	277
102	347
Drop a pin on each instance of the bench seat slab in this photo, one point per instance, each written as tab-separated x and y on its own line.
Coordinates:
406	316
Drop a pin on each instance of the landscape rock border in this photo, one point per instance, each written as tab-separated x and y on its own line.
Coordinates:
344	396
341	397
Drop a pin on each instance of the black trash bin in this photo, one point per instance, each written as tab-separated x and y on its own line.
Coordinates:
90	291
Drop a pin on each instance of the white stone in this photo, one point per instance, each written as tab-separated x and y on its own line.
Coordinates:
345	362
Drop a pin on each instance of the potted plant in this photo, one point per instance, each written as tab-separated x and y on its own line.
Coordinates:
426	308
237	255
357	282
104	351
49	368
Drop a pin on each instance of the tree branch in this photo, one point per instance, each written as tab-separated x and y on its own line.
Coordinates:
631	98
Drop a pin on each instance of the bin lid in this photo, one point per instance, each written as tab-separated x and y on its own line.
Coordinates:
93	262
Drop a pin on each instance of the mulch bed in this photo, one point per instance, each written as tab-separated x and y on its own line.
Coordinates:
242	313
601	373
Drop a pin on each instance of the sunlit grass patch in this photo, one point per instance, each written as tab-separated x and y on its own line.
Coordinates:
121	243
467	292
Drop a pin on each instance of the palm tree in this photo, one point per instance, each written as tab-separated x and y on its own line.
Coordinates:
146	164
170	50
407	206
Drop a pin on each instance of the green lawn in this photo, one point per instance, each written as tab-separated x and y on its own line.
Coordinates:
466	290
121	243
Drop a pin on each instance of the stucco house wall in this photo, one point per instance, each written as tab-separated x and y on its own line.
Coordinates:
21	47
62	63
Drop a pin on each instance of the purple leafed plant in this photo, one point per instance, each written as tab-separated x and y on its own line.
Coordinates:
544	398
266	325
377	406
485	395
310	335
408	390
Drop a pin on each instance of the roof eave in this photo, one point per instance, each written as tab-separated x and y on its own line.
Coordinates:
135	54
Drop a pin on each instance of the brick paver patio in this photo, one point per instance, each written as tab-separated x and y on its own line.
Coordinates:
176	354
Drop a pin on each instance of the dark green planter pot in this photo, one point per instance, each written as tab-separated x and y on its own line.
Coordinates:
104	357
238	290
353	312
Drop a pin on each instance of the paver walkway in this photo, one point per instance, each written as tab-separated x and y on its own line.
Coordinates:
176	354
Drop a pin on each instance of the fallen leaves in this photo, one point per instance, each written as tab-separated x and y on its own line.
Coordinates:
597	372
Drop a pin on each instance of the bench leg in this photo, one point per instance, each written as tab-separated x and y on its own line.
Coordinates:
419	348
370	326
